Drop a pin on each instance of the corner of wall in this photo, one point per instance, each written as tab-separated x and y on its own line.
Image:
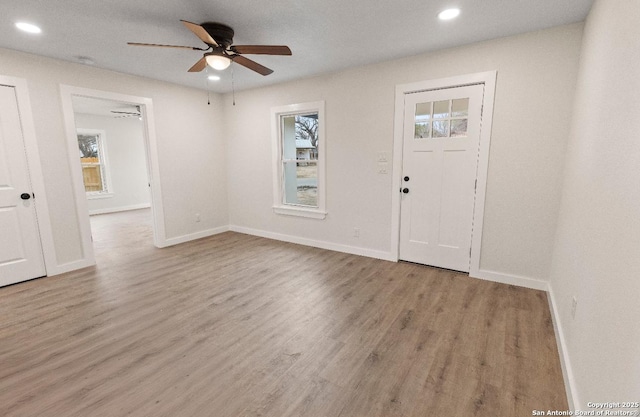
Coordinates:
565	361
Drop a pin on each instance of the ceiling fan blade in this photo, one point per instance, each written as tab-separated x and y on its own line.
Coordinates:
200	33
262	49
162	46
198	66
252	65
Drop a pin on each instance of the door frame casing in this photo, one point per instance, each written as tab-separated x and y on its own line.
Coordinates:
151	157
34	168
487	78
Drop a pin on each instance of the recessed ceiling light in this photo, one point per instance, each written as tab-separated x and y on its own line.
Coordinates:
448	14
214	78
28	27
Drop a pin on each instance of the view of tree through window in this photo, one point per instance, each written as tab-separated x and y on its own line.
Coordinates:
93	169
300	159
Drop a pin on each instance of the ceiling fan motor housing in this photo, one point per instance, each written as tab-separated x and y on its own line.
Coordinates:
222	34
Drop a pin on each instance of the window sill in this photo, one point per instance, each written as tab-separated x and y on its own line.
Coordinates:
300	212
95	196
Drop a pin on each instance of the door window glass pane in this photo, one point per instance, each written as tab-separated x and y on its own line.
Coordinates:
423	111
459	108
458	127
440	128
422	130
440	110
422	120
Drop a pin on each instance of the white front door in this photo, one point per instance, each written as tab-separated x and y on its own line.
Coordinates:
439	166
20	247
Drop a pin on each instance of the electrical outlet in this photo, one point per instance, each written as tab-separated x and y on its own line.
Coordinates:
356	232
574	305
382	168
197	217
382	157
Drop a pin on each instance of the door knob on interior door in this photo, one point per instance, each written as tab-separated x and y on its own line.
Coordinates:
405	190
25	196
406	178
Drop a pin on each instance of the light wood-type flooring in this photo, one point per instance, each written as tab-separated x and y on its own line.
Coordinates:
236	325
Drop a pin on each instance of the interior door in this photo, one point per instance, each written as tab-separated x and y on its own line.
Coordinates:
439	166
20	247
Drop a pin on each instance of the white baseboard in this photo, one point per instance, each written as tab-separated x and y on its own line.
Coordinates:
565	362
192	236
119	209
536	284
354	250
520	281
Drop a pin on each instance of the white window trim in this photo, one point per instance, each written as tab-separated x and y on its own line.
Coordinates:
279	207
104	162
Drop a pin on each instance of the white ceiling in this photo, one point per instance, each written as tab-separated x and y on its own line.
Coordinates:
325	36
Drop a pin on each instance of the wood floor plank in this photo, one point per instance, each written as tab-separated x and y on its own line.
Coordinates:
237	325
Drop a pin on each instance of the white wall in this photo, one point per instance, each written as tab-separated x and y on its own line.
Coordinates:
535	88
187	128
127	169
597	251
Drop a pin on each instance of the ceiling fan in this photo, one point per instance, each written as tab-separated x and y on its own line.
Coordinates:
220	51
125	114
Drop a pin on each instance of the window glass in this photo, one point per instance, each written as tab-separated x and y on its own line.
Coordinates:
458	127
299	160
300	151
422	121
441	119
440	128
460	107
441	109
92	161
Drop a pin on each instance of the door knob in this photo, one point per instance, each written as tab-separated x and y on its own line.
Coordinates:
25	196
405	190
406	178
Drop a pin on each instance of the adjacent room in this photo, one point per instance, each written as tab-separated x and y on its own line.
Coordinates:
320	209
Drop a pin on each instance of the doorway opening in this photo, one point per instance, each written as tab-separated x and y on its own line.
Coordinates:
438	122
113	158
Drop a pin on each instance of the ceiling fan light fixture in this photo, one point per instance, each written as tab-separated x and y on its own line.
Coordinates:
218	62
448	14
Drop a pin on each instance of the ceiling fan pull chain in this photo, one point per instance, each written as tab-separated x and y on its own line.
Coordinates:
233	87
206	83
